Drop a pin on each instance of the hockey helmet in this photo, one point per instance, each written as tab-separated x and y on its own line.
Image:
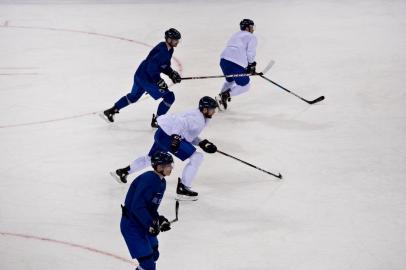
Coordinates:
172	33
246	23
207	102
161	158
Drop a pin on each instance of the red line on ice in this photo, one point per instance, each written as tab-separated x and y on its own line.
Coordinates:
65	243
178	63
18	68
6	24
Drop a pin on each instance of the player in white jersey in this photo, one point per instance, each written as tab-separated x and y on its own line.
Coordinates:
238	57
178	134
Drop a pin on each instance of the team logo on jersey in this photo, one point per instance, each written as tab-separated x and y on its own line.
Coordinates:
156	199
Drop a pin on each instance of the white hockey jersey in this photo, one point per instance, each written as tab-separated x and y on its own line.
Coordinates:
188	124
241	48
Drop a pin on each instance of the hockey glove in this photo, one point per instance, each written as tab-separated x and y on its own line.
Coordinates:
175	143
162	84
154	228
207	146
251	67
175	77
164	224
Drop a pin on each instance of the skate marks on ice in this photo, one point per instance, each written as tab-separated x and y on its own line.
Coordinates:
48	121
17	71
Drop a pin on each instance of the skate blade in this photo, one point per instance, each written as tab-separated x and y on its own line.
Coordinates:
221	106
115	176
102	116
186	198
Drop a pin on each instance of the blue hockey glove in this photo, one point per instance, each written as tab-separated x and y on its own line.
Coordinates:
208	147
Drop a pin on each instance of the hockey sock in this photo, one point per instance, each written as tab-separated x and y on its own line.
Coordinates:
190	170
139	164
166	103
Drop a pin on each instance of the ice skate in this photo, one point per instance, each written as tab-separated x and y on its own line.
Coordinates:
154	123
121	175
184	193
108	115
223	98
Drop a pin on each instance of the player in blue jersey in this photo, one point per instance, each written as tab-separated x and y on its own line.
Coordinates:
147	79
140	221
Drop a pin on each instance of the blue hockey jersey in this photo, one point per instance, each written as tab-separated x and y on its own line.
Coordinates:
143	199
158	61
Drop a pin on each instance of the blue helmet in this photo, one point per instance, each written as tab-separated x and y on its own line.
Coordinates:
207	102
172	33
246	23
161	158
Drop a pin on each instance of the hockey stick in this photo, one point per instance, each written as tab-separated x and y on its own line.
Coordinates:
249	164
268	67
176	213
287	90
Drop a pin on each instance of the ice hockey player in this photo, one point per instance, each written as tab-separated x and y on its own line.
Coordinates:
178	133
238	57
140	222
147	78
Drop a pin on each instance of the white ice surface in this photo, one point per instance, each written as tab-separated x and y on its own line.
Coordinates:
342	203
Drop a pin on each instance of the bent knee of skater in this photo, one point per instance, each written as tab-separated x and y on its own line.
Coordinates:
169	98
131	97
197	158
242	81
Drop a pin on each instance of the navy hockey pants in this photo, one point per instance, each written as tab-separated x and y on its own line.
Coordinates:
142	86
142	245
230	68
162	142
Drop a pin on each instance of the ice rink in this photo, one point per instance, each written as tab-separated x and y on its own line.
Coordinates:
342	202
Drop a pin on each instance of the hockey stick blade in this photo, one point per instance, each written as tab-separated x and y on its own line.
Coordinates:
176	212
293	93
268	67
251	165
316	100
275	175
176	209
